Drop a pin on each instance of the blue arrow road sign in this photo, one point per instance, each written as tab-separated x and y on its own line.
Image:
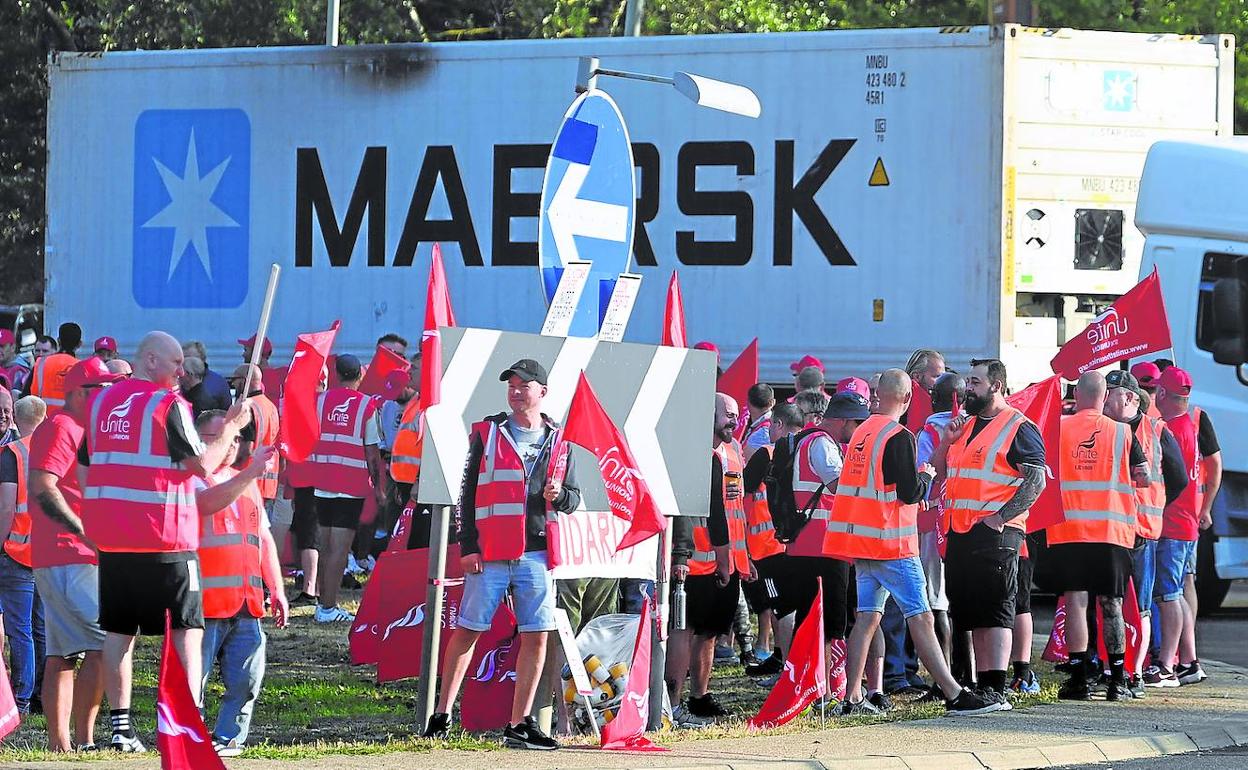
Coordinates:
588	204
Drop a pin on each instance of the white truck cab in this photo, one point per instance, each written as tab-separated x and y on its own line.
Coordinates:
1193	213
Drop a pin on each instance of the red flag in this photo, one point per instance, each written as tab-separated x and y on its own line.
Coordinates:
438	312
674	316
300	425
1042	404
839	657
384	362
9	716
920	407
737	380
1131	623
400	629
589	426
1133	326
491	680
1055	651
627	730
805	675
181	738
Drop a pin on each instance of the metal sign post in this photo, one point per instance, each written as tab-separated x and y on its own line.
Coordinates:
427	686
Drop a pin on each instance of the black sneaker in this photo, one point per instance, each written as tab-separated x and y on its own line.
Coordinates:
1136	685
1117	691
350	583
439	726
880	701
970	702
527	735
303	599
1191	673
769	666
1074	689
990	694
706	707
749	658
933	695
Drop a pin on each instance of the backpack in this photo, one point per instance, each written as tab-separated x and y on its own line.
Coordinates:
786	516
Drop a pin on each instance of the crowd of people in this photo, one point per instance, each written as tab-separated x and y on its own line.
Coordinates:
147	497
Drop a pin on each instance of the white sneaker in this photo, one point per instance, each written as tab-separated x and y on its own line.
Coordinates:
126	745
682	718
332	615
231	749
353	566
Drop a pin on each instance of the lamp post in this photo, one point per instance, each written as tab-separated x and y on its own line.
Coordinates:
701	90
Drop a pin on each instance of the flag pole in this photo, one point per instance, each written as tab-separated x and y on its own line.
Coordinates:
275	270
658	631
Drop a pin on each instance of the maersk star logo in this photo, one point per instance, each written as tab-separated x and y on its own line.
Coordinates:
192	198
1119	90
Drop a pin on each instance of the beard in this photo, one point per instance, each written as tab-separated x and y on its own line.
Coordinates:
975	403
724	433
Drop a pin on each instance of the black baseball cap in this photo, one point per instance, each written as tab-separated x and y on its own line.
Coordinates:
848	405
1121	378
348	367
526	369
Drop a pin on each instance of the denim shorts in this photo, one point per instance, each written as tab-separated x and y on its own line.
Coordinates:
1175	560
903	579
1144	573
532	589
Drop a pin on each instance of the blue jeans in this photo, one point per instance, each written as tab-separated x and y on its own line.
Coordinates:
901	666
23	625
902	579
1144	572
632	593
240	642
1176	559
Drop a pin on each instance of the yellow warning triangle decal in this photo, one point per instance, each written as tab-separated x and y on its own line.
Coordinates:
879	177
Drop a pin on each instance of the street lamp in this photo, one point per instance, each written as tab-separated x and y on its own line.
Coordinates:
703	91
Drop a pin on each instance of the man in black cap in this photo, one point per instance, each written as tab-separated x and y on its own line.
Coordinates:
517	481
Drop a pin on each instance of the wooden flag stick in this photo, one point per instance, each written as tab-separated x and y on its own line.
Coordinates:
262	331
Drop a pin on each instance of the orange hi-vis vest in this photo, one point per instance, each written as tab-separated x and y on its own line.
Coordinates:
703	560
1150	501
47	380
1098	499
868	521
760	535
266	415
980	479
229	556
17	544
408	444
503	491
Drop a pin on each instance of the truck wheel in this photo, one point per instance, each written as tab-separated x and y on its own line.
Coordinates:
1211	590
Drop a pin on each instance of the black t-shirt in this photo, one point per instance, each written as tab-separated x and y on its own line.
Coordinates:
899	468
1206	437
756	469
717	521
1027	448
180	436
8	466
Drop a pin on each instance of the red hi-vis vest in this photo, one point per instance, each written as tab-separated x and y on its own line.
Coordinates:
980	480
1098	499
1150	501
1181	520
267	419
703	560
337	463
47	380
868	521
17	544
137	500
502	494
806	482
229	556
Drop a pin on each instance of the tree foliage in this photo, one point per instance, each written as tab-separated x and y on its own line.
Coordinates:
31	29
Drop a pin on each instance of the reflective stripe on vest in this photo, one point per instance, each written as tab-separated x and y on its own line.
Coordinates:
230	555
868	520
338	462
979	481
806	482
136	499
1150	502
501	503
405	453
1097	497
17	543
734	509
267	428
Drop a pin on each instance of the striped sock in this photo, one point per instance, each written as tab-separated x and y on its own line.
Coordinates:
120	719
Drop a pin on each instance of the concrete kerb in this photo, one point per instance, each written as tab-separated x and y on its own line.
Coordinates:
1115	749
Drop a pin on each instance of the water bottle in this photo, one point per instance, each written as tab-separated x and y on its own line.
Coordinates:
678	606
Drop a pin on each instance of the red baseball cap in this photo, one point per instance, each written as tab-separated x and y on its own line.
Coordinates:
854	385
805	361
704	345
1175	380
87	372
1146	373
7	338
266	349
106	343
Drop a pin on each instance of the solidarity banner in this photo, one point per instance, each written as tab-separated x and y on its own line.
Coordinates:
1133	326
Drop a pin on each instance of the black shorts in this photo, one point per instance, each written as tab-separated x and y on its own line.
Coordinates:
1100	569
709	609
303	522
138	589
981	576
1026	570
339	512
803	571
773	589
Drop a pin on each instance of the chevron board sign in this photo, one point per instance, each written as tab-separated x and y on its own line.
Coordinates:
662	397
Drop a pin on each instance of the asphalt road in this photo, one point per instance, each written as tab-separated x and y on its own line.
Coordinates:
1220	637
